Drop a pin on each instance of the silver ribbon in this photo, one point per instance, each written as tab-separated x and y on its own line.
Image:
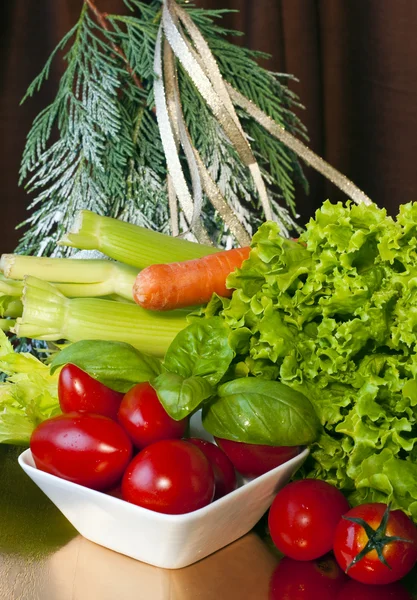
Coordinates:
169	137
210	84
323	167
177	120
196	164
201	66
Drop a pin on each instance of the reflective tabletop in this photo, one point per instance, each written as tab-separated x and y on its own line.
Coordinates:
42	557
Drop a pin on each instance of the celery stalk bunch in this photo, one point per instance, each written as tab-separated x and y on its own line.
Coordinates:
71	299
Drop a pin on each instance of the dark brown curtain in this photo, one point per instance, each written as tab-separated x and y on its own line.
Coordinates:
356	62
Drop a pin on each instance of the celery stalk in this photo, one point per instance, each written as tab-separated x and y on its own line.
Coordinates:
102	289
96	290
10	306
7	324
74	277
10	287
48	315
14	309
129	243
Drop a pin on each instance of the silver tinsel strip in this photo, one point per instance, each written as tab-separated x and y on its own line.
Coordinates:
201	66
194	160
312	159
210	84
178	123
170	144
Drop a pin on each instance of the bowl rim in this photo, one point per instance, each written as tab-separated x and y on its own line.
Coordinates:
146	512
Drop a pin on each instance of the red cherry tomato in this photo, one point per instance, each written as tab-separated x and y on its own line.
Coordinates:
353	590
144	418
319	579
78	391
170	476
90	450
224	471
303	518
251	460
361	548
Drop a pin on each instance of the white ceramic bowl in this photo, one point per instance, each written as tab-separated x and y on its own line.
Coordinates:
168	541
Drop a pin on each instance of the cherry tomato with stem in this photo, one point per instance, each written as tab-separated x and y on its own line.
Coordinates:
376	545
144	418
223	469
170	476
319	579
252	460
87	449
303	518
78	391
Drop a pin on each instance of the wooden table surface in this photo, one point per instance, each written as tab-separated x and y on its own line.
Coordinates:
43	558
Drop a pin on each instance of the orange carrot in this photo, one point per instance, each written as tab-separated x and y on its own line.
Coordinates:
187	283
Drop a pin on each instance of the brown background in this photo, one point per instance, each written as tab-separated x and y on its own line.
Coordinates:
356	61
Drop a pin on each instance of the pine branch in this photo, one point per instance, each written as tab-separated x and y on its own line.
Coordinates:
97	145
102	21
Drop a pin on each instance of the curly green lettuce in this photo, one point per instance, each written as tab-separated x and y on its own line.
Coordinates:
28	395
334	316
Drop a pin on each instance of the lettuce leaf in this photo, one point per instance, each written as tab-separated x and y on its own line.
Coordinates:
334	316
28	395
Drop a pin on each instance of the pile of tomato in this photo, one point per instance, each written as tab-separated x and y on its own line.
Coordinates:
334	552
128	445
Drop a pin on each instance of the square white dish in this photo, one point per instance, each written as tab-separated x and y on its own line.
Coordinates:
167	541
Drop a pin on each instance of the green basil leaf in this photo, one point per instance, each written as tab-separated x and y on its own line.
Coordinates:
202	350
116	364
259	411
181	396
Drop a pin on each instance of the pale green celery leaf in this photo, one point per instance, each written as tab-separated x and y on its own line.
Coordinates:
28	396
21	363
15	429
5	345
